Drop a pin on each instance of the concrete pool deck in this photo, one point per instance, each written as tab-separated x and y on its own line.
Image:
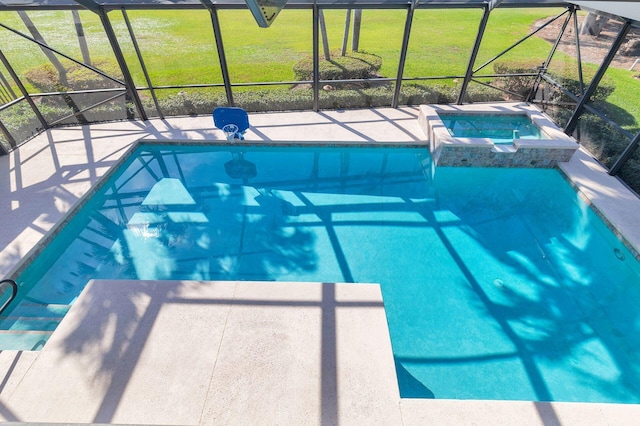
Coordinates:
127	363
189	353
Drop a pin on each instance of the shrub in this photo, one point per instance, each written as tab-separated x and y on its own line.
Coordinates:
480	93
522	85
519	85
416	94
20	121
285	99
351	66
560	114
572	84
46	77
183	103
275	100
604	141
630	173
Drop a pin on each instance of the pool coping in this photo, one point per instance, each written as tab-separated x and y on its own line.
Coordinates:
619	213
26	260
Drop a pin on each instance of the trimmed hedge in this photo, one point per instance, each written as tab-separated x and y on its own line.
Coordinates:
630	173
22	123
47	79
351	66
572	84
202	103
601	139
522	85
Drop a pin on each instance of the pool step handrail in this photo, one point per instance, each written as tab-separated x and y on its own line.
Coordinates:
14	292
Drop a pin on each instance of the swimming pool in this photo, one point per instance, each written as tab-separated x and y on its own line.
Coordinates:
498	283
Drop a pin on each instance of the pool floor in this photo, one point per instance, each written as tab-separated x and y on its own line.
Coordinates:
492	291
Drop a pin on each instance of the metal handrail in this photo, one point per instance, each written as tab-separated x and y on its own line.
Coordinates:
14	293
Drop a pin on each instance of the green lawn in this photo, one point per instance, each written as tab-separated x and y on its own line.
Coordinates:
623	102
178	47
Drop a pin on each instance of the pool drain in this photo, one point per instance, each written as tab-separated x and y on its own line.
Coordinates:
619	254
498	282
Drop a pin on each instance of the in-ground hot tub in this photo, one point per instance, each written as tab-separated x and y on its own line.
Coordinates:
475	135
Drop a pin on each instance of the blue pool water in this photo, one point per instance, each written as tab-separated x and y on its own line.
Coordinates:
501	128
497	283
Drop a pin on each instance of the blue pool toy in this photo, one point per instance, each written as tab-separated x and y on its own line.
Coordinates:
232	121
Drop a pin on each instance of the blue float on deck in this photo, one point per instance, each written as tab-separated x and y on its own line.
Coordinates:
232	121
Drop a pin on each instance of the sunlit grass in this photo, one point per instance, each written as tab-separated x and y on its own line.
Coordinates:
172	41
625	96
179	47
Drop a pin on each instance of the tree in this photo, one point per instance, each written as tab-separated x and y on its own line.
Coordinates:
345	38
323	32
357	19
82	41
593	24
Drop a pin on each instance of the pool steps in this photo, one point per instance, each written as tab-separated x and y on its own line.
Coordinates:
30	324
